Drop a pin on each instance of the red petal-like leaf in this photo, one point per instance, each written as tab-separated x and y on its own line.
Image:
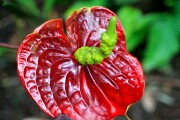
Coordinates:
120	80
36	55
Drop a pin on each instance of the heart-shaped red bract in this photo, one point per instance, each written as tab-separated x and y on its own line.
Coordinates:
59	84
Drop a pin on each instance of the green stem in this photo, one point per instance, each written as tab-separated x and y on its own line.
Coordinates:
94	55
126	116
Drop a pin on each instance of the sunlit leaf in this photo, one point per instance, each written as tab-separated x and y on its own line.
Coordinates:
133	24
84	3
162	45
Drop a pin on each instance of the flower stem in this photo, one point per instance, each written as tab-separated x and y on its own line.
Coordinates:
126	116
6	45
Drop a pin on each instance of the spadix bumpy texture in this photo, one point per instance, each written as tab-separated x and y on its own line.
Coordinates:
94	55
57	82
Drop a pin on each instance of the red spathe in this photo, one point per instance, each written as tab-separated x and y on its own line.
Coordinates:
58	84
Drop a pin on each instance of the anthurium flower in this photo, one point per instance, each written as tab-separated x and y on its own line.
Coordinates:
85	73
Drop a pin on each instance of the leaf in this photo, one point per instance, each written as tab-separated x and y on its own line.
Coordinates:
162	45
18	10
47	8
170	3
177	16
175	6
136	25
120	2
14	8
29	5
79	4
132	20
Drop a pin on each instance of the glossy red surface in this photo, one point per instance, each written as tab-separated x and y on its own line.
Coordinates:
58	84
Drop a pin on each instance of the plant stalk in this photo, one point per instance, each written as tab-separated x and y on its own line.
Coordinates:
6	45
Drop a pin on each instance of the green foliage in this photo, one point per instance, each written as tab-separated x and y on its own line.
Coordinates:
176	9
29	5
120	2
163	34
162	45
47	8
18	9
133	24
83	3
28	14
28	9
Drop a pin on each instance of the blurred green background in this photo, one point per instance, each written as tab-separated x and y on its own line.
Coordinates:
152	29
